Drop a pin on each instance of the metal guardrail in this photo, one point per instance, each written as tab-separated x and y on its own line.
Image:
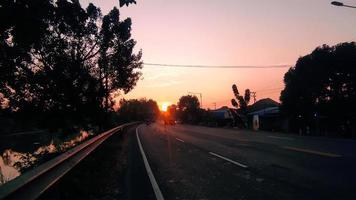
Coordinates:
33	183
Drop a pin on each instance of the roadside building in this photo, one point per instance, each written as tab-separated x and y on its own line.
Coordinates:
226	116
265	115
222	116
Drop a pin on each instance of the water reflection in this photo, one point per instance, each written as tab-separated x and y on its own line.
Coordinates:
7	166
13	163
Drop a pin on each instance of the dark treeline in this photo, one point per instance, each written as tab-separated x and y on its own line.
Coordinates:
188	110
319	98
62	64
320	91
137	110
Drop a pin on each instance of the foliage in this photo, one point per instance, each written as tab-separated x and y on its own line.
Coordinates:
188	103
126	2
137	110
63	62
172	111
189	109
322	86
242	101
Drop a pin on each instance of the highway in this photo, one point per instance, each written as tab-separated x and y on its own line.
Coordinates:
192	162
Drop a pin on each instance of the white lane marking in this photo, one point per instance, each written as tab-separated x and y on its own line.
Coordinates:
180	140
227	159
283	138
153	181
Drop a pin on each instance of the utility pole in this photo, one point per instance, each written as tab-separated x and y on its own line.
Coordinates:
214	105
201	97
254	96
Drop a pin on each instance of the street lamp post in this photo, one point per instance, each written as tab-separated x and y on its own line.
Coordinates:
337	3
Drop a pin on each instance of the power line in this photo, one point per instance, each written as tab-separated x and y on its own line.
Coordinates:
219	66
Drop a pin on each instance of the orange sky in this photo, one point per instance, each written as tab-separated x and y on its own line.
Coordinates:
227	32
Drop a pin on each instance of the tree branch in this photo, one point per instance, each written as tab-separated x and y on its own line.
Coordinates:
88	56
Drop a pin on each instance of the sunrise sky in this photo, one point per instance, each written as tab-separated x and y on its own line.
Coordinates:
227	32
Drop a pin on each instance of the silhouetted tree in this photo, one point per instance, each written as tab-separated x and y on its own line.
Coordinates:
137	110
172	111
126	2
117	61
22	25
64	61
322	86
242	101
189	108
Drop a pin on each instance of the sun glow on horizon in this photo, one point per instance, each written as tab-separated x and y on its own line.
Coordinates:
164	106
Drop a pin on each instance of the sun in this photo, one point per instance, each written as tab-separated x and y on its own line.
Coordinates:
164	106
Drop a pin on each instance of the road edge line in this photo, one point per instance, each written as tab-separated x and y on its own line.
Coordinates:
227	159
153	181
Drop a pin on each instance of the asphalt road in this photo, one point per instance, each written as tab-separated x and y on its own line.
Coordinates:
192	162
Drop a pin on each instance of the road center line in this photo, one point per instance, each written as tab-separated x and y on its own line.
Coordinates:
312	152
227	159
153	181
180	140
283	138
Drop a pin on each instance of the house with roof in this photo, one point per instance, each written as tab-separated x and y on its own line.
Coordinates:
265	115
